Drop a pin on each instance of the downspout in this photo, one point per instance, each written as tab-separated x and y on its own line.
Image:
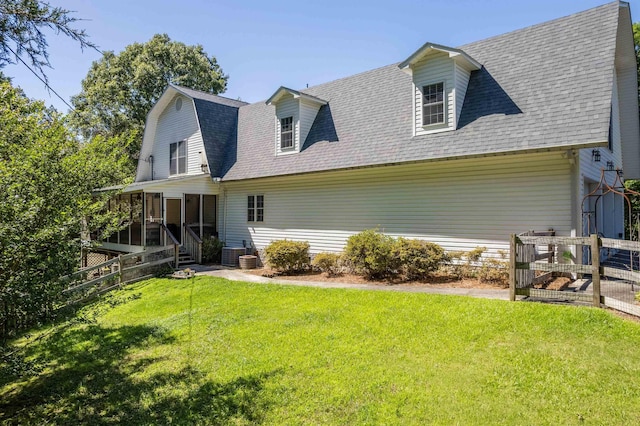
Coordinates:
222	190
224	225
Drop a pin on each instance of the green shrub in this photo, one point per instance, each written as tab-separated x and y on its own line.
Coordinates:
495	270
212	250
327	262
463	264
475	254
371	253
418	258
288	256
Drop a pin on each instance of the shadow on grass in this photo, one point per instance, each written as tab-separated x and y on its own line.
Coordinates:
90	378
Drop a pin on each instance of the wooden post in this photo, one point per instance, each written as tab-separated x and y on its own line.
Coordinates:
176	254
119	270
595	268
513	244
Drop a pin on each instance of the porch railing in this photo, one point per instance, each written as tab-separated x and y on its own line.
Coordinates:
192	243
170	239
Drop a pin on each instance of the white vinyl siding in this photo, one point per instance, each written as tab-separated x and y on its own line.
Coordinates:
616	146
627	82
610	209
174	126
625	120
308	112
459	204
462	81
177	188
591	169
434	68
288	107
178	158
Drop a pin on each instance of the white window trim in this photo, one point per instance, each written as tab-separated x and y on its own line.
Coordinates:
255	208
293	134
445	106
186	158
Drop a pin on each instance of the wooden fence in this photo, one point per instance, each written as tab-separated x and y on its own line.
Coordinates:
86	283
116	272
529	266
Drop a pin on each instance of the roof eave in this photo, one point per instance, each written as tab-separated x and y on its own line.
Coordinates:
296	95
455	54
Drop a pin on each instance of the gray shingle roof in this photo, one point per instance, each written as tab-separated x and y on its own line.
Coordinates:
218	119
197	94
218	124
543	87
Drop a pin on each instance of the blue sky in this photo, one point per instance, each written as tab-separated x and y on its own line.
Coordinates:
262	45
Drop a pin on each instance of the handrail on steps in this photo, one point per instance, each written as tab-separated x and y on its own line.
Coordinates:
174	241
192	243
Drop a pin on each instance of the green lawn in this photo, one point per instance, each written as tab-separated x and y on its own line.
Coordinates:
211	351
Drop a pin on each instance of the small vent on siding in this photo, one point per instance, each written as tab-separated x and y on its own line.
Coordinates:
178	104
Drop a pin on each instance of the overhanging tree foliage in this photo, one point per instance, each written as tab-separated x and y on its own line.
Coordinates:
46	183
120	89
21	31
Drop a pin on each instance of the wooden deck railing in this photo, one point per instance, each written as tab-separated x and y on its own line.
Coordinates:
192	243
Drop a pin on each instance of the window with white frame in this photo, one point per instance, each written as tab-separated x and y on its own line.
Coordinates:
286	133
433	104
255	208
178	158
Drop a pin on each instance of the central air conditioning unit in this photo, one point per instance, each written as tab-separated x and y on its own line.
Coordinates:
231	255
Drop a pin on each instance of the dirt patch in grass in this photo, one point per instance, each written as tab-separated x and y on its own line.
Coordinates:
437	280
556	283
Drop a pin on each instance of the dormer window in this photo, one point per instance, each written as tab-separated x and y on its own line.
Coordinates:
178	158
286	133
433	104
294	115
440	76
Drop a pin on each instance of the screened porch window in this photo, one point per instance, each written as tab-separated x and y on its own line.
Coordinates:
200	214
178	158
129	210
433	104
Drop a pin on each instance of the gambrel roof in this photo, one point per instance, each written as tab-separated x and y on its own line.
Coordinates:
546	87
217	119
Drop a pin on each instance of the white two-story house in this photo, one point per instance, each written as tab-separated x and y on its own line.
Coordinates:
460	146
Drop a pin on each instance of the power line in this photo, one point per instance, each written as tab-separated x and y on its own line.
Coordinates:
40	78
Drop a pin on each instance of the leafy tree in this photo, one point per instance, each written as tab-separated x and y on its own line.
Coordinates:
46	183
21	31
120	89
